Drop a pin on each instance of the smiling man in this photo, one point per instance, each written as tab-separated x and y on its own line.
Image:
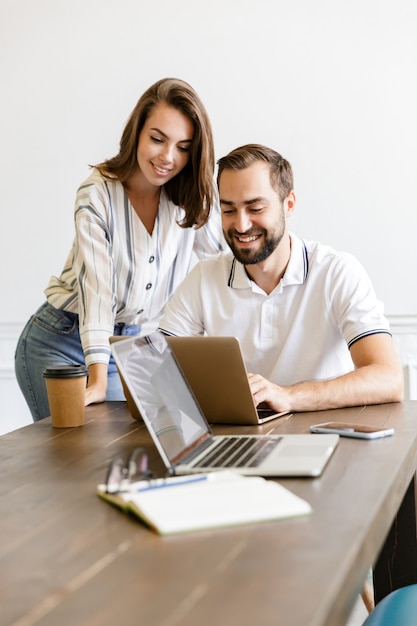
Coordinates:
312	332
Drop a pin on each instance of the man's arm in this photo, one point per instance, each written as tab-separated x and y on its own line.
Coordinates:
376	379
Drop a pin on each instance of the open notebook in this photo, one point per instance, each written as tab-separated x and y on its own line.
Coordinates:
181	433
180	504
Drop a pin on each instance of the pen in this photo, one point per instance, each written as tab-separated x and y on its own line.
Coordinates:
175	483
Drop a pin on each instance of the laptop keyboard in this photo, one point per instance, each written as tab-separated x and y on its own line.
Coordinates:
239	452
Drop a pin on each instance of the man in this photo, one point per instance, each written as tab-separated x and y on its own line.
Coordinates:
312	331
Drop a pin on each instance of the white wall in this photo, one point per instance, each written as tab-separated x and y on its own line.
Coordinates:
330	84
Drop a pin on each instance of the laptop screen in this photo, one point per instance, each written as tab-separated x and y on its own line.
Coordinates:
162	394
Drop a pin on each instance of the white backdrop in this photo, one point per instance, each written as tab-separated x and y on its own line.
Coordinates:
330	84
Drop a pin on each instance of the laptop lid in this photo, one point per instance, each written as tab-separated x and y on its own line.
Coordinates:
177	425
216	372
162	395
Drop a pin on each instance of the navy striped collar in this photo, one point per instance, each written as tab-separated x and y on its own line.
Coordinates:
295	274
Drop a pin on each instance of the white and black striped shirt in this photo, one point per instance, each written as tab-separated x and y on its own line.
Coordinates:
116	271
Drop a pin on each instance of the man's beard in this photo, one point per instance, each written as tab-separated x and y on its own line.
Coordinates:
249	256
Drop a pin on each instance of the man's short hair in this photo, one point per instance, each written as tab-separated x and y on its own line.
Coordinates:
282	179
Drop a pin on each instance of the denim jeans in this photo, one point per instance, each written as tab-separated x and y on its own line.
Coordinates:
51	337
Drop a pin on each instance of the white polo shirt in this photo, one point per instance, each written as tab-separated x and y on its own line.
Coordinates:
301	331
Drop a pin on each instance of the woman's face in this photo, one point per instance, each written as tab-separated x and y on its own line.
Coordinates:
164	144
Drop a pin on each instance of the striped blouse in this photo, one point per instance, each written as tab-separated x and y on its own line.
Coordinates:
116	272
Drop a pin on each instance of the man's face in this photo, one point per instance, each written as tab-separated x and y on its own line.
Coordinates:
253	216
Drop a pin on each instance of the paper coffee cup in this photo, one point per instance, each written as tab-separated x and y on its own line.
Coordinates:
66	386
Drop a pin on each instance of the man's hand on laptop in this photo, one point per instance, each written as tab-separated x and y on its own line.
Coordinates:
278	398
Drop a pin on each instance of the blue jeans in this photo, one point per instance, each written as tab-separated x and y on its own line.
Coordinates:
51	337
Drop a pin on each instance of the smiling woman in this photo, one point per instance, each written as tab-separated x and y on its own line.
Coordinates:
140	217
163	151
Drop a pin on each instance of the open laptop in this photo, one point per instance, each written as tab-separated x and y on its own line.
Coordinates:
181	433
216	372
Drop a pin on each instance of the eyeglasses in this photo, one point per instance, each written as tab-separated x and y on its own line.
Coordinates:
121	475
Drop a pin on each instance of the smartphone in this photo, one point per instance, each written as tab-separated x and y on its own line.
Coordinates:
360	431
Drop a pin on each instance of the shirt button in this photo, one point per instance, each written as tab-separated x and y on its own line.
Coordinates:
151	259
148	286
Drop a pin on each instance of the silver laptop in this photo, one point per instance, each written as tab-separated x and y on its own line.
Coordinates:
181	433
216	372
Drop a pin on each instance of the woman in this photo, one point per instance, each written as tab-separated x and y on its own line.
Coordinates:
140	219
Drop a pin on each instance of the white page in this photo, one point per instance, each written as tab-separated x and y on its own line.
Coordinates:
223	499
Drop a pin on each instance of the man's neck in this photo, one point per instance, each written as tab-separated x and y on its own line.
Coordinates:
268	273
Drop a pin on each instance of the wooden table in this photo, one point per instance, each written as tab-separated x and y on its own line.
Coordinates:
68	558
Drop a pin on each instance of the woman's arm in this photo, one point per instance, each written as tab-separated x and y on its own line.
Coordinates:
97	383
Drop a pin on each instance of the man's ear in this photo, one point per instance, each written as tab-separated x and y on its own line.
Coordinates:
289	203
